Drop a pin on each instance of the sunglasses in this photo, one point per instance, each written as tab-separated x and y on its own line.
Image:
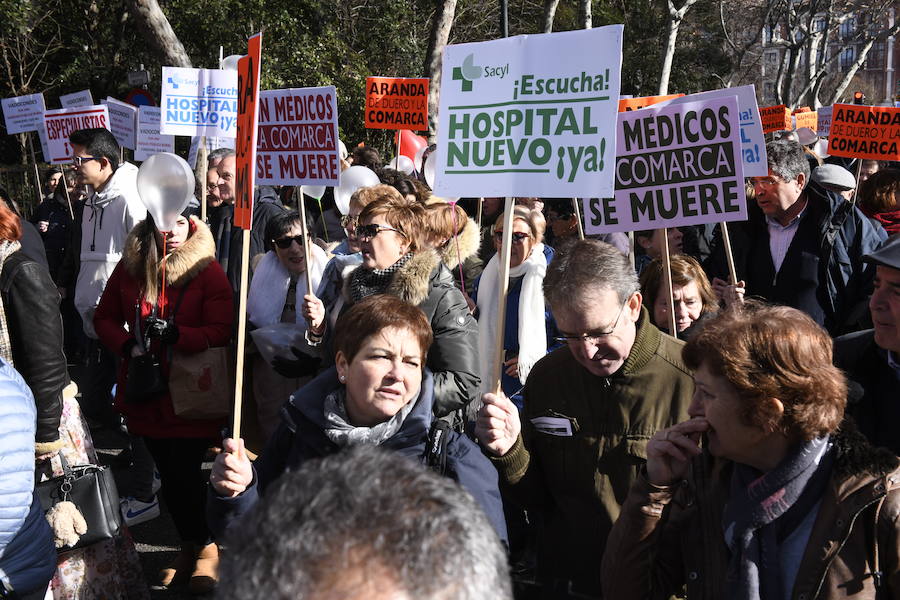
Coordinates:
518	237
80	160
285	242
348	221
372	229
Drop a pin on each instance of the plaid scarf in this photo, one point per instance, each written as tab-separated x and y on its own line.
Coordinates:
7	247
366	282
763	510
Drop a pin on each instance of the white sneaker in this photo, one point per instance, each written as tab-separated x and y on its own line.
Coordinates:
136	511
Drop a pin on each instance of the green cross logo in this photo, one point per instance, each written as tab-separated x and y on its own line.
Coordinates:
467	73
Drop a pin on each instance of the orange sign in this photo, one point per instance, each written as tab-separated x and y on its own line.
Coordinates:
775	118
869	132
807	119
245	143
397	103
626	104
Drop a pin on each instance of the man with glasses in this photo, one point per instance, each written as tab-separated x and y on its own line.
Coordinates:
802	245
589	409
111	209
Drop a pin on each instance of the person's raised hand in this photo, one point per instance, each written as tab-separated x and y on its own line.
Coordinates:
669	451
497	425
231	471
314	313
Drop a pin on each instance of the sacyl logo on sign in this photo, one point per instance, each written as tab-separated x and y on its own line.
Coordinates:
468	72
177	80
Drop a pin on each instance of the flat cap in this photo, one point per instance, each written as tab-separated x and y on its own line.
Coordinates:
888	255
834	176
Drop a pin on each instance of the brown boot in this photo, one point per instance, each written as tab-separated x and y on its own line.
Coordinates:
206	571
179	571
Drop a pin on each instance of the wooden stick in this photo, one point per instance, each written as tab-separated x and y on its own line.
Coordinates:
480	211
667	282
631	255
578	218
856	189
37	175
726	239
201	169
241	335
62	181
399	131
305	229
503	281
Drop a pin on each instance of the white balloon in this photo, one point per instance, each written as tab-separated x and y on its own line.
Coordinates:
418	159
430	168
314	191
342	150
165	183
230	62
403	164
351	180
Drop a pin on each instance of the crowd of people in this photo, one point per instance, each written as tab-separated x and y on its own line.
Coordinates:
750	452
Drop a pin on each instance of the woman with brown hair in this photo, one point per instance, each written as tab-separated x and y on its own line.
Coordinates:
174	298
764	492
692	294
878	199
455	237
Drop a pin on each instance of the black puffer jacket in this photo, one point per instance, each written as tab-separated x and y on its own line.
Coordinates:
31	303
453	358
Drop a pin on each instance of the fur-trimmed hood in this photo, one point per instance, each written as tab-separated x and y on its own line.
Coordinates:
412	282
183	264
856	461
469	242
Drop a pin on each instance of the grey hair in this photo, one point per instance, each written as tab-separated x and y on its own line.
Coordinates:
586	268
787	159
362	520
535	220
220	154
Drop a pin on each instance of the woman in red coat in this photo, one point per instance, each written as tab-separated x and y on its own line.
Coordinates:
191	312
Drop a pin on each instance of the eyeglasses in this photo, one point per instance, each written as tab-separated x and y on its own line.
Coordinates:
349	221
518	237
594	337
765	181
285	242
369	231
80	160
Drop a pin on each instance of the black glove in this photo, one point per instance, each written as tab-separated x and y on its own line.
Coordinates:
166	331
304	365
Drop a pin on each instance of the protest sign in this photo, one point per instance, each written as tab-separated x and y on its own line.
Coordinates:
60	123
823	121
753	140
23	113
245	169
76	99
628	104
530	115
212	143
298	137
869	132
149	139
397	103
676	165
122	119
775	118
807	119
199	102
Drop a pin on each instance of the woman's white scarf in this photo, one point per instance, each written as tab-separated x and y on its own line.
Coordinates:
532	328
269	288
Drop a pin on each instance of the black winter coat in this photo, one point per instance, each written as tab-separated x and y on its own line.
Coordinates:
31	304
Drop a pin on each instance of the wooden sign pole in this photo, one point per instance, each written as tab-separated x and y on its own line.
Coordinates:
503	281
201	169
241	334
578	218
667	281
305	229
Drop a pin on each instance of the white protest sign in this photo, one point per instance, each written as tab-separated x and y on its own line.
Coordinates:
298	137
60	123
676	165
149	140
212	143
23	113
753	140
199	102
532	115
824	120
122	117
82	98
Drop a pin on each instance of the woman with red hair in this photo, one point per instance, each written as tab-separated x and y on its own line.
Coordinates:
174	298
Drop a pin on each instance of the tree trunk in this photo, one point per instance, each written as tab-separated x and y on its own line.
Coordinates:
437	39
157	31
549	15
585	13
676	16
851	72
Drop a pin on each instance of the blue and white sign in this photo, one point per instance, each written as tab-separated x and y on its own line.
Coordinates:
199	102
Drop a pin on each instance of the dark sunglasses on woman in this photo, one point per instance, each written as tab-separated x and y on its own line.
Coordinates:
285	242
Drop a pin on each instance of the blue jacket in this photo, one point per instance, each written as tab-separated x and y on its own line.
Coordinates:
27	553
301	437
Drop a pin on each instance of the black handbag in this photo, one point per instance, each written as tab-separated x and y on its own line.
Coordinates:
144	380
92	489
